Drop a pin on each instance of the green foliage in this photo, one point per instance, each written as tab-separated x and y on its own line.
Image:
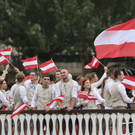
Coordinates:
45	27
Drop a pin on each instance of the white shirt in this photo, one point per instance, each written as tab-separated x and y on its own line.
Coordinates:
4	100
97	95
74	90
133	93
122	91
22	92
35	97
94	88
109	85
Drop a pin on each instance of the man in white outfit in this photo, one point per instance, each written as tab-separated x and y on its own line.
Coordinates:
68	88
119	96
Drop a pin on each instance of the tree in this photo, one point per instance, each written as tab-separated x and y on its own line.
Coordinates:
47	27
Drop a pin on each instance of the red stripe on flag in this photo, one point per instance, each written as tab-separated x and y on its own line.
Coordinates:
93	64
4	107
2	59
30	59
86	96
49	70
130	78
18	110
112	50
59	98
31	66
117	41
30	63
48	66
129	82
4	51
124	26
129	86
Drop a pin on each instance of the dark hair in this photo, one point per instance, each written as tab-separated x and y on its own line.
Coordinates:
111	71
102	87
20	77
87	76
78	77
92	75
1	82
51	77
36	73
117	73
83	82
10	84
46	75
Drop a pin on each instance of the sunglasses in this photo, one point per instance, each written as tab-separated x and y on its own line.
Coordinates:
46	79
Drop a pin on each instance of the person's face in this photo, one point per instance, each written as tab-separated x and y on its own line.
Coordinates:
33	76
121	76
64	74
94	79
80	81
87	84
46	80
58	76
4	85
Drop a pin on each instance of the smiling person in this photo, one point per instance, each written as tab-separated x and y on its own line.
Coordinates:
58	75
67	87
86	87
32	85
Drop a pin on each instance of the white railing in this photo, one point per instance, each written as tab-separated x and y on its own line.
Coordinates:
89	122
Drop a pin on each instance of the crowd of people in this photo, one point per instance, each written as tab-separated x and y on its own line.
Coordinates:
109	91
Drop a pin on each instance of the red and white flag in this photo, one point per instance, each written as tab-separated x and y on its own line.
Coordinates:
2	59
48	66
30	63
86	96
129	82
6	52
4	108
94	63
19	109
59	98
27	79
117	41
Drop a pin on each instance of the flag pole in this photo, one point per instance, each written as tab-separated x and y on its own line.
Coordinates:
38	68
100	62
